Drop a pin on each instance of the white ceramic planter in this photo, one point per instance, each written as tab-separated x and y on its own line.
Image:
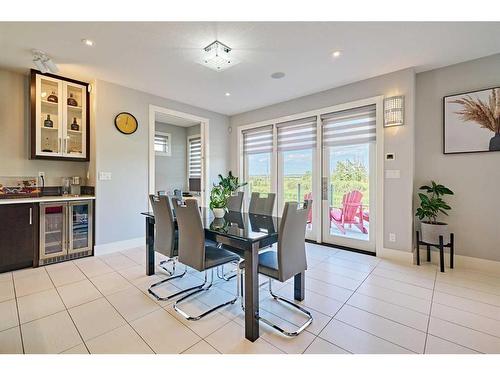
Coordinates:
431	232
219	212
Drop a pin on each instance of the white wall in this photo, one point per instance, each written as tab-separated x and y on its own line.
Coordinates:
15	135
120	200
398	216
171	171
475	178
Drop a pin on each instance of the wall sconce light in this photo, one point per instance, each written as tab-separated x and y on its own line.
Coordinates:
394	111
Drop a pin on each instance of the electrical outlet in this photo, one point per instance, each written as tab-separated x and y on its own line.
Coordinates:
392	237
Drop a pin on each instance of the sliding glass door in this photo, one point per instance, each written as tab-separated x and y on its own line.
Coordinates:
348	178
329	157
258	161
296	164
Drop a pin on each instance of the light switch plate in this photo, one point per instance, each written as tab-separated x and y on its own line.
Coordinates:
104	176
392	173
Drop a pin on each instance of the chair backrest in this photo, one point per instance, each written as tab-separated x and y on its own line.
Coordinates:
164	225
261	206
350	204
291	240
235	202
191	234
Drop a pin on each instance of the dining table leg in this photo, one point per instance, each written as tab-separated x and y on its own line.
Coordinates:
299	286
150	249
252	293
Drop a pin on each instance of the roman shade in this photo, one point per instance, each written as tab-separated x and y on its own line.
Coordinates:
297	135
258	140
194	167
349	127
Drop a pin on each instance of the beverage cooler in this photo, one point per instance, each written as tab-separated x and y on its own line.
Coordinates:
65	231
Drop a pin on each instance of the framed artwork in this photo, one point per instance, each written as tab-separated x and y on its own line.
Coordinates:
472	122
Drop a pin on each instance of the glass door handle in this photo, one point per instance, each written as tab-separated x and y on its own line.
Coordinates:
31	215
324	188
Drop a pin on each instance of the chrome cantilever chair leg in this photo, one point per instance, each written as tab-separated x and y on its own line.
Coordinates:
204	288
163	264
159	298
278	298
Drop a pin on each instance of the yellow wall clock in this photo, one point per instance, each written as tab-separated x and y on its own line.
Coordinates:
126	123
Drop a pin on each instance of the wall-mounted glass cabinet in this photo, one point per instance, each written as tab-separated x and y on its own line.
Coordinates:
59	118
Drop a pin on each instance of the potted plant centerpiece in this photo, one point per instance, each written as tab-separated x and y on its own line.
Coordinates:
431	204
220	193
218	201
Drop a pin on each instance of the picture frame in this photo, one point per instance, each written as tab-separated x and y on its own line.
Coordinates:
471	122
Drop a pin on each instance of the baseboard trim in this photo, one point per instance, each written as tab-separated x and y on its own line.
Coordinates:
113	247
463	262
396	255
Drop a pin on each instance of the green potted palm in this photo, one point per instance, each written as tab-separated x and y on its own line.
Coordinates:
431	205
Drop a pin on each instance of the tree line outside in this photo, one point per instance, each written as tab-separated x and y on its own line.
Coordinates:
347	176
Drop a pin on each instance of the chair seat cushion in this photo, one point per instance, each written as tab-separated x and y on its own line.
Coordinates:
215	256
268	264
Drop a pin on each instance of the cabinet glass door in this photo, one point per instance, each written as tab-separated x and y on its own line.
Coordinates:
52	230
74	120
80	224
49	116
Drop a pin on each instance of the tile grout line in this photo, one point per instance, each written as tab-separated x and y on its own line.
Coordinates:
451	342
126	321
67	312
430	312
18	316
333	317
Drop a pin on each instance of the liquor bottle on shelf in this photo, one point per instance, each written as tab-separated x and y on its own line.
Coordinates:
48	123
74	125
47	145
72	101
52	97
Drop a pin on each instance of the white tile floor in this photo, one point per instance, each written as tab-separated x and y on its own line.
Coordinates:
360	304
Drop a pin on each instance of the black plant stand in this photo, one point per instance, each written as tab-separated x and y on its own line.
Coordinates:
440	246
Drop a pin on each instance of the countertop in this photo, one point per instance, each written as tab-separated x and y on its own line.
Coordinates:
56	198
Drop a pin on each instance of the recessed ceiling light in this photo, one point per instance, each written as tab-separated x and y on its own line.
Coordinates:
227	94
336	54
88	42
277	75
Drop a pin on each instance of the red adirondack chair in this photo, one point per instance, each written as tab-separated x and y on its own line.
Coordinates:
350	213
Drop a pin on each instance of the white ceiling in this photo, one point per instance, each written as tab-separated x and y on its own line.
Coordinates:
174	120
161	58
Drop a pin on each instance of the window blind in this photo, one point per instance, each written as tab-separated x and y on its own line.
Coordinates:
258	140
162	143
349	127
297	134
194	166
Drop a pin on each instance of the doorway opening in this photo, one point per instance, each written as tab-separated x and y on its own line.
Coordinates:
178	154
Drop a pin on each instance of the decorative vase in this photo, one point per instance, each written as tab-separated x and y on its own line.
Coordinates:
495	142
431	232
219	212
72	101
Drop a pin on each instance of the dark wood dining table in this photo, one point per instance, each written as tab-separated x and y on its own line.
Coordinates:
243	231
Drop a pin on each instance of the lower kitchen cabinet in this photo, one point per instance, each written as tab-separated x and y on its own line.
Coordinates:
18	235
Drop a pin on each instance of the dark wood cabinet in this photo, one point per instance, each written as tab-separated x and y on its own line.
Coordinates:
18	235
60	118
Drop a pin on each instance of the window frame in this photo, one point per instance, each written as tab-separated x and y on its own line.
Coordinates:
168	136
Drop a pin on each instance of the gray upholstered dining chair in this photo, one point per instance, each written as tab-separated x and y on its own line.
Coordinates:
235	202
165	239
261	206
288	260
196	253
